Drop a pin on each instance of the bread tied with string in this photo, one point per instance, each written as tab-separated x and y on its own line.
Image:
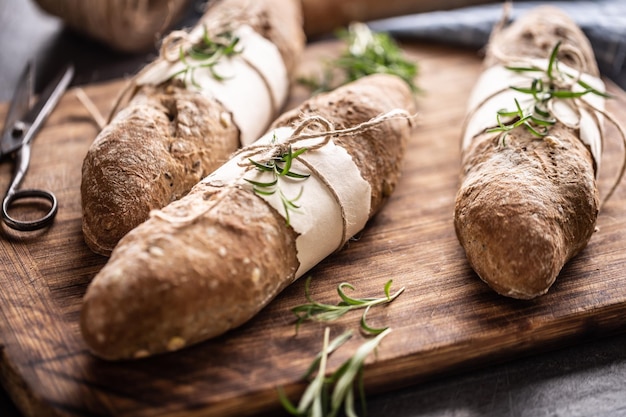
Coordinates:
528	200
211	90
210	261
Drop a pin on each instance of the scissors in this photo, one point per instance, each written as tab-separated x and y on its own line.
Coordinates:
21	126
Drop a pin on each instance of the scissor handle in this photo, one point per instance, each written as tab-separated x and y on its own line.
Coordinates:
29	225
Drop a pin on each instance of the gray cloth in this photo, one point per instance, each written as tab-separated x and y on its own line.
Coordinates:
603	21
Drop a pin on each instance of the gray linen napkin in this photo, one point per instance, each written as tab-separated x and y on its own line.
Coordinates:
603	21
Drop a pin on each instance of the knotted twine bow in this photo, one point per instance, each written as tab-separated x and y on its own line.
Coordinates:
326	133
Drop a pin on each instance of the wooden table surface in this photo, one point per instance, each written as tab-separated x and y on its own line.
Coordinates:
582	379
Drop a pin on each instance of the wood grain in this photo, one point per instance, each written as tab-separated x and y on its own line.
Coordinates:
446	320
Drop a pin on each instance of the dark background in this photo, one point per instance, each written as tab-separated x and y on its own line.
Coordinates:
588	379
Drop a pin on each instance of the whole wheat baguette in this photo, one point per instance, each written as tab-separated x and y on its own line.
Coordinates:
134	26
210	261
169	136
528	204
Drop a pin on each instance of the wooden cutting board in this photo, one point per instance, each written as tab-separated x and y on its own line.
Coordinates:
446	319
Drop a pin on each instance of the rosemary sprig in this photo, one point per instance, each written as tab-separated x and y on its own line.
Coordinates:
366	53
549	84
325	396
280	167
536	122
206	54
314	310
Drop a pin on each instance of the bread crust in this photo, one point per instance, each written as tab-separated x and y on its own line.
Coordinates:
167	138
169	285
524	209
164	142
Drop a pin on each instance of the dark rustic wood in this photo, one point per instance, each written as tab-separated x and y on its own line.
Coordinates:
446	320
322	17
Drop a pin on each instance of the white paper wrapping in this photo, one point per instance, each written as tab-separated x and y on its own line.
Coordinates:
254	87
498	78
319	221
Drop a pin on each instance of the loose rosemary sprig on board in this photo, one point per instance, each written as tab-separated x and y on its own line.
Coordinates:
280	167
325	396
314	310
366	53
549	84
206	54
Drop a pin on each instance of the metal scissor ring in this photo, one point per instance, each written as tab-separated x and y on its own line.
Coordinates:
23	121
29	225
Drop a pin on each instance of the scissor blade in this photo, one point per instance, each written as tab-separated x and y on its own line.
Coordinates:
47	101
12	138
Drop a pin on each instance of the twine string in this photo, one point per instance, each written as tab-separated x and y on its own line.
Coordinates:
304	130
560	82
326	133
180	42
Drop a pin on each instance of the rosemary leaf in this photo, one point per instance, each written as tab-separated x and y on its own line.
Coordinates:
593	90
260	166
262	191
286	403
506	113
523	69
543	113
388	289
367	328
288	158
292	202
291	174
569	94
262	184
529	90
553	60
349	300
298	152
542	122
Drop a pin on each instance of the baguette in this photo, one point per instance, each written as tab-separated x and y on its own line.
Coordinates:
125	26
528	202
210	261
175	131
